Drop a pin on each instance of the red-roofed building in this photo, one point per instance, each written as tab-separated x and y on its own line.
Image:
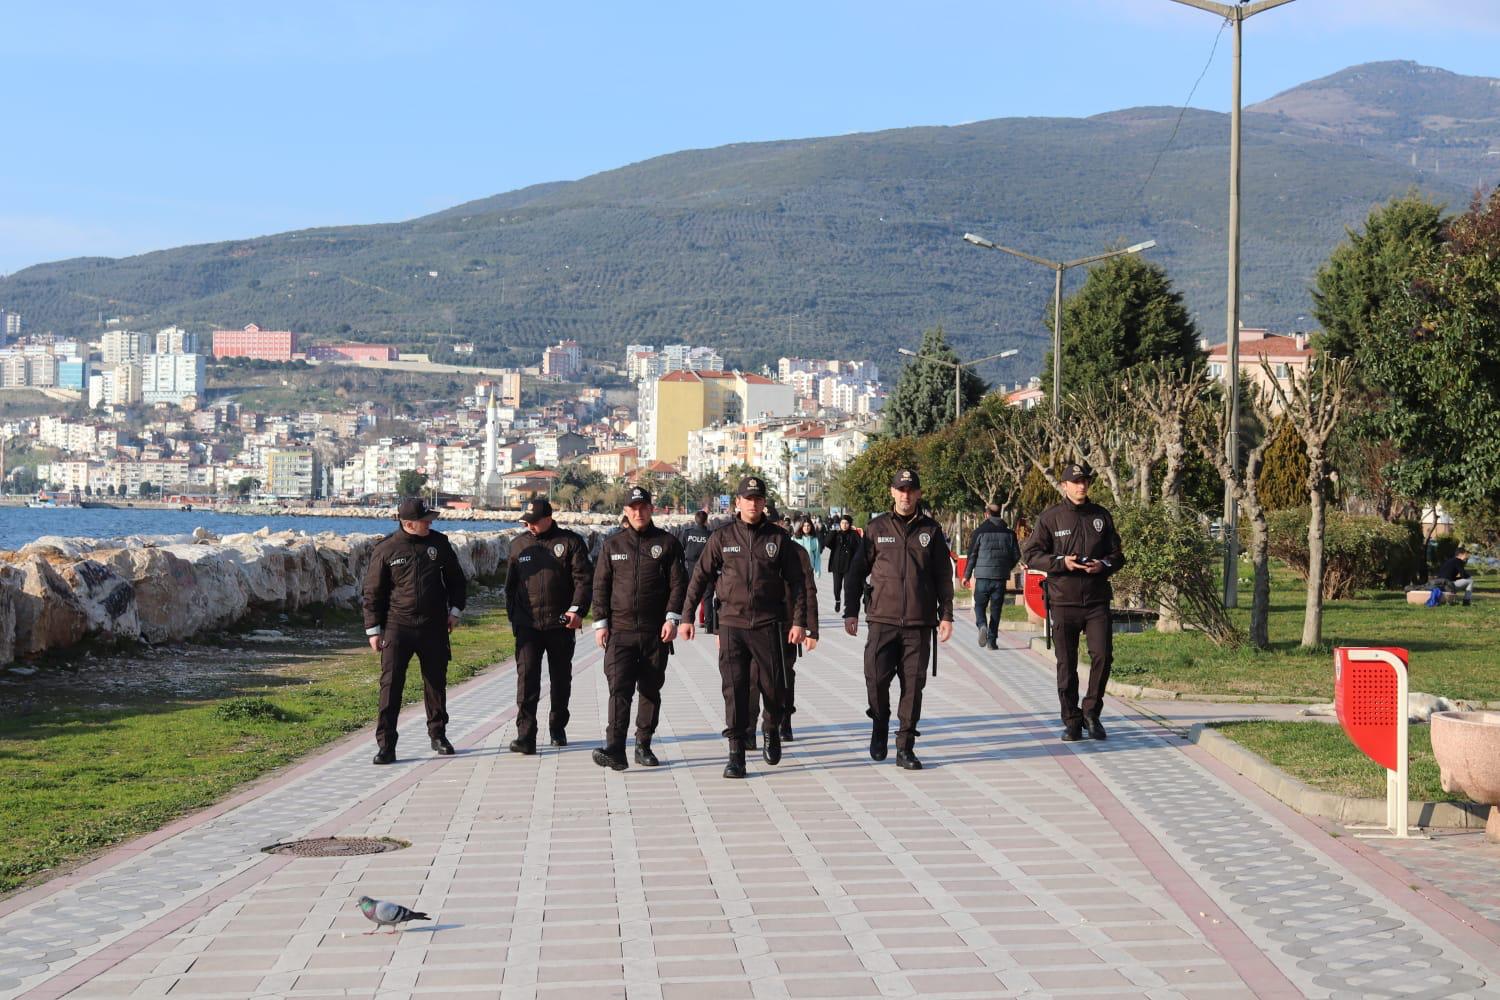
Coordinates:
253	342
1287	355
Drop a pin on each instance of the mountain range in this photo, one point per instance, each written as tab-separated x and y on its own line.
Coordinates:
841	246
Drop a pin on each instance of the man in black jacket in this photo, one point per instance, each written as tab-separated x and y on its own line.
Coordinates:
414	592
694	537
1452	575
993	554
754	568
905	556
547	580
638	586
1076	545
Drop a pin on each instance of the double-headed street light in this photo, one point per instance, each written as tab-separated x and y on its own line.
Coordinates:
958	372
1058	267
1236	14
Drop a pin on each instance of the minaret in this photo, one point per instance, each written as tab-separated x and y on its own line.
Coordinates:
490	487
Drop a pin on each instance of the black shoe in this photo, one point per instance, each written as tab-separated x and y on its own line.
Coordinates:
1095	727
442	746
612	759
643	754
772	752
387	755
559	738
908	760
1073	733
736	766
786	731
880	734
527	747
750	743
984	637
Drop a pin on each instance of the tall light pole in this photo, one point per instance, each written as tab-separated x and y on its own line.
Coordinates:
1236	15
1058	267
958	372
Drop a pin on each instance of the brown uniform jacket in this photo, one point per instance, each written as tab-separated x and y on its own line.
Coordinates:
906	560
547	576
1067	530
756	575
639	580
412	581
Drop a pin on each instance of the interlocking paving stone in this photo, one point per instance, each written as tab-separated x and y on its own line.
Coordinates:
989	874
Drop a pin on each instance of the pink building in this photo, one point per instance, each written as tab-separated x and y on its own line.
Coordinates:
351	352
253	342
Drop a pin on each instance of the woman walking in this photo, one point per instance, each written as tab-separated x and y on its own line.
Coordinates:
807	537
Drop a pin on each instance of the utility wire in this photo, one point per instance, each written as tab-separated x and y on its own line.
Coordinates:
1163	152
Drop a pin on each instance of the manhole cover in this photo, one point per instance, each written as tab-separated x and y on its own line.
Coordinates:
337	847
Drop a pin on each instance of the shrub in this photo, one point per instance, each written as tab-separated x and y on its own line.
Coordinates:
251	710
1171	561
1282	484
1359	552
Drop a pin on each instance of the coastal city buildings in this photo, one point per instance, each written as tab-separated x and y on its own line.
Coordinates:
255	343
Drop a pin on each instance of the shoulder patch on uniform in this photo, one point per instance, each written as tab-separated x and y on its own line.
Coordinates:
656	551
924	538
1098	524
432	553
558	549
771	548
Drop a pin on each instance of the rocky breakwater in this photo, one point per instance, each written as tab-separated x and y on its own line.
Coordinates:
57	592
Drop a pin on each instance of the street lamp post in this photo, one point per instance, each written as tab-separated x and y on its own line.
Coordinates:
1058	267
958	372
1236	15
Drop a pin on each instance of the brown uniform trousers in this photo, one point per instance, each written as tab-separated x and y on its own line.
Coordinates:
751	658
430	646
531	644
634	661
901	653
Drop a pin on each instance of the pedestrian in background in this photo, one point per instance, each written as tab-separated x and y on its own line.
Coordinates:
414	593
993	554
547	580
842	542
807	537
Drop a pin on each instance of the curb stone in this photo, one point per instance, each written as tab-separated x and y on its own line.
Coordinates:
1340	808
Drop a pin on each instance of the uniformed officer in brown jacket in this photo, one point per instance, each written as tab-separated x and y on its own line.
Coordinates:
905	556
754	567
1076	545
547	580
414	592
639	583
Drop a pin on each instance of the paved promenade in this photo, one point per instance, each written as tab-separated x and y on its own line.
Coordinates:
1014	865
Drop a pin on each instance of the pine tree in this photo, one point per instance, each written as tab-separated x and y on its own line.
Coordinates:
922	401
1283	475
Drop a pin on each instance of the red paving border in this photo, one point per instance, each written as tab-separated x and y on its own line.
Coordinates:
132	943
1226	937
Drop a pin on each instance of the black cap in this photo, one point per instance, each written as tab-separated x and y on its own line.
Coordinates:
772	514
638	494
413	509
752	486
1078	473
906	479
536	509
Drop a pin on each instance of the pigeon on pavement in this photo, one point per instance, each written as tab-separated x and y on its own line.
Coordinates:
384	914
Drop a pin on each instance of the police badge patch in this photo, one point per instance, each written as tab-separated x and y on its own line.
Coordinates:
771	549
924	538
432	553
559	549
656	552
1098	524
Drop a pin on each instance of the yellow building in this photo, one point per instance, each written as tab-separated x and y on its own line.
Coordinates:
684	401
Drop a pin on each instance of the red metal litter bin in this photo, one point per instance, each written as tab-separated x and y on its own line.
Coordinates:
1370	700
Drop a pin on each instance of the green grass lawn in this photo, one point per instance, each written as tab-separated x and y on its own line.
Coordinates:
1321	755
1453	649
76	779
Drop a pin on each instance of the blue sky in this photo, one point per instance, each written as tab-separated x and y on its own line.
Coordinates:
133	127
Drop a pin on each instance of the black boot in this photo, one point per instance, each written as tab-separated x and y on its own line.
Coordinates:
786	730
612	758
772	752
1095	727
736	766
750	743
643	754
907	760
1073	732
386	755
527	747
559	737
442	746
880	734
